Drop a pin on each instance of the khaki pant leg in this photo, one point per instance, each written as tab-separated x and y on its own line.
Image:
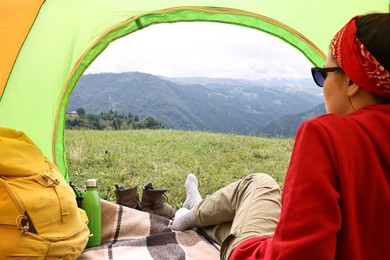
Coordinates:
218	233
244	209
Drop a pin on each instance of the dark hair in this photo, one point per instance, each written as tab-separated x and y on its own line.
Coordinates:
382	99
373	31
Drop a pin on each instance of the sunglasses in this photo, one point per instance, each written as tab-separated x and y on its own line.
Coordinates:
319	74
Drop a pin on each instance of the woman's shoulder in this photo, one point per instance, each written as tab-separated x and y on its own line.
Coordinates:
363	117
331	120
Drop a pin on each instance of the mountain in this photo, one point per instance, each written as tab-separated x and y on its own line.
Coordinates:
287	126
218	105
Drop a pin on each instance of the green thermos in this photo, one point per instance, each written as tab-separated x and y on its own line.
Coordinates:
91	205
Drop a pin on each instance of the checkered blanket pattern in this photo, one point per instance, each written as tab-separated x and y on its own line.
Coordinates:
131	234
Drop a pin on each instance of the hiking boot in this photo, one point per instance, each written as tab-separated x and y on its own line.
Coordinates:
153	201
127	197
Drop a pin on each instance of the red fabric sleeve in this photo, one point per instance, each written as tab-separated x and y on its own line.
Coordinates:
254	248
311	216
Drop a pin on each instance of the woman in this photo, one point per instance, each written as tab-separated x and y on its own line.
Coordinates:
336	197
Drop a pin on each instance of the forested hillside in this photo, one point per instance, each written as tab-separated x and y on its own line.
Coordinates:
217	105
286	126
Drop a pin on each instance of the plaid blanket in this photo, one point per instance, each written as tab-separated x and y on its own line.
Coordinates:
131	234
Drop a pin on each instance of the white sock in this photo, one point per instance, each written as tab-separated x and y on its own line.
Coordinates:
184	219
192	193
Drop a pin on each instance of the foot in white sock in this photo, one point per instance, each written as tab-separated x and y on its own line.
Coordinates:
184	219
192	193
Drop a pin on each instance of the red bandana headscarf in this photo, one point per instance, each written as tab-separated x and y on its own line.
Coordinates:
358	63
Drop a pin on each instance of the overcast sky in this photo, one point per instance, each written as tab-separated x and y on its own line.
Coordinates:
203	50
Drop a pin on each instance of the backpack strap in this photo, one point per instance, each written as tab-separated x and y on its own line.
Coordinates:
49	181
59	190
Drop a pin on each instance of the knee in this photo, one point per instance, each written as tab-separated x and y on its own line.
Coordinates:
263	180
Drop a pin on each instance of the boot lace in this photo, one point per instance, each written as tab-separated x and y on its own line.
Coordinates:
164	198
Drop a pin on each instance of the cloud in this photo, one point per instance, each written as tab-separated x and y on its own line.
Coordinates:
203	49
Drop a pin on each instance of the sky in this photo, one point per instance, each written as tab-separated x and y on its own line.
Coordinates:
203	49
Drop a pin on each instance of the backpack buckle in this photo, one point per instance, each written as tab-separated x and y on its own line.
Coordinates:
48	177
25	224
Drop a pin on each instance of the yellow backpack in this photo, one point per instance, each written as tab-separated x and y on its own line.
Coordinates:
39	217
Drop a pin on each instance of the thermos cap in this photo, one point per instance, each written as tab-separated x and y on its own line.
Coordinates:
91	183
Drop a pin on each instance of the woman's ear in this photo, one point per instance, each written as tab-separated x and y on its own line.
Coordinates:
352	89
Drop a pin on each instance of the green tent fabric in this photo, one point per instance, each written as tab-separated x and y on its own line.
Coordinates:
47	45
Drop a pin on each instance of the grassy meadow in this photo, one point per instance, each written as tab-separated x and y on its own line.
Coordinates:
165	157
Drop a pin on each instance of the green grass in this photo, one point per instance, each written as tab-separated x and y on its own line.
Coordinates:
165	157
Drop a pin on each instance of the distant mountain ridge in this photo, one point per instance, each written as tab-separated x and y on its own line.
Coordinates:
218	105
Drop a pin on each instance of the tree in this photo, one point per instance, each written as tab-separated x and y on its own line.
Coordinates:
80	111
110	120
152	123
